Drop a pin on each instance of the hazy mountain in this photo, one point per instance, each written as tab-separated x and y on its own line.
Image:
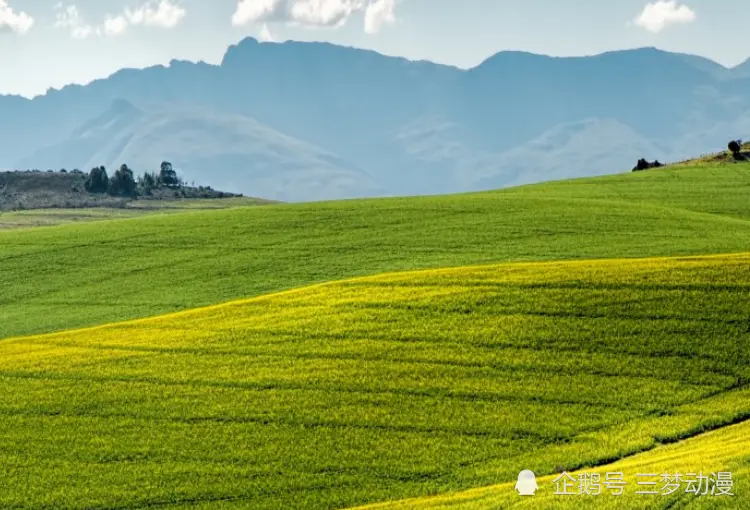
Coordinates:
222	150
742	70
301	121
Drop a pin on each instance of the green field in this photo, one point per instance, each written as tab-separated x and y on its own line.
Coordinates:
92	273
394	386
548	327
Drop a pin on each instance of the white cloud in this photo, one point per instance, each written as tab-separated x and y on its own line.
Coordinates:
165	14
322	13
249	11
69	18
161	14
16	22
114	26
379	12
265	34
315	13
658	15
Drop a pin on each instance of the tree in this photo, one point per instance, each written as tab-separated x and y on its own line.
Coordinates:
641	165
122	182
97	181
167	175
147	182
734	148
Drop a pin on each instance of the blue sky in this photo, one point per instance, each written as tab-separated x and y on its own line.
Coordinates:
49	43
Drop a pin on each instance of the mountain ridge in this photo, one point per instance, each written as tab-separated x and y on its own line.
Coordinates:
413	127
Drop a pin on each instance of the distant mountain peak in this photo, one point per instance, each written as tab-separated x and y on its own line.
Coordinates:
512	57
239	50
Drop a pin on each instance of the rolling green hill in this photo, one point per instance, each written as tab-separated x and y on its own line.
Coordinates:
84	274
410	384
395	386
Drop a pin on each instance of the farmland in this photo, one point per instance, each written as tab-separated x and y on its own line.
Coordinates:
83	274
401	385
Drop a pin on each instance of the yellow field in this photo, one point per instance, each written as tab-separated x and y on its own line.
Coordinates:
405	385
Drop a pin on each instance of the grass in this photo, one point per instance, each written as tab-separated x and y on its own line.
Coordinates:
724	450
91	273
396	386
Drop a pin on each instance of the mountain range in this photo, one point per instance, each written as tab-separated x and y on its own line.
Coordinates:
309	121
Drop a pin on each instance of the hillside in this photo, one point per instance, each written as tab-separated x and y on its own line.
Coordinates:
374	389
206	257
308	121
36	189
398	352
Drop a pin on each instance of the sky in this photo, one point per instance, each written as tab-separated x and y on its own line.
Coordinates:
51	43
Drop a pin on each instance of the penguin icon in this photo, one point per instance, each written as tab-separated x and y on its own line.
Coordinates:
526	484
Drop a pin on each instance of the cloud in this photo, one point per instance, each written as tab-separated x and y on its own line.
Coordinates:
16	22
162	14
114	26
658	15
378	13
165	14
250	11
69	18
315	13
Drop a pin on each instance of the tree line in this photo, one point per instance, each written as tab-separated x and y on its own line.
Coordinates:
124	183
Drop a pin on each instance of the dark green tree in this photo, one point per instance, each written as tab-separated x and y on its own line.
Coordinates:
97	181
167	175
734	148
147	182
122	182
